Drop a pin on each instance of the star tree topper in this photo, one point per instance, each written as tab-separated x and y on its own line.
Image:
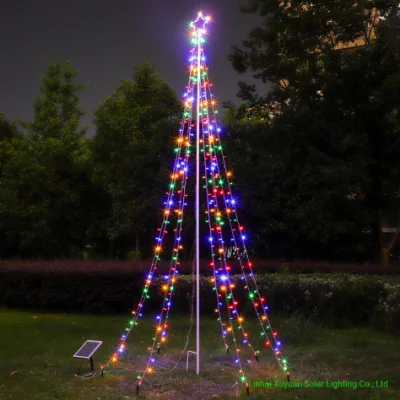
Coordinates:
199	24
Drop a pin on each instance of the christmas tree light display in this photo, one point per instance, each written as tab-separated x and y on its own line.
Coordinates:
226	236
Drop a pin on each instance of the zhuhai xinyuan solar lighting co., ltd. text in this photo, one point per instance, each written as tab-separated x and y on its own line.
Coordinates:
319	384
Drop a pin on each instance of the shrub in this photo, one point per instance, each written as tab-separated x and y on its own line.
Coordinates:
329	298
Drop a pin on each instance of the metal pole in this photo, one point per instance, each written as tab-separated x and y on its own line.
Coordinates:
197	211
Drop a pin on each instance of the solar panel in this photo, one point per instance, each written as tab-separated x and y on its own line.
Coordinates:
88	349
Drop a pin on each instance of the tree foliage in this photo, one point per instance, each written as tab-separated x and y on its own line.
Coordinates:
56	111
44	191
132	153
335	145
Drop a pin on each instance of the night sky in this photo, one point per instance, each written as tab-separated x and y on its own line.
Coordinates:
104	39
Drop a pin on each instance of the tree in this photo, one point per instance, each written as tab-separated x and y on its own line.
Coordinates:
56	111
8	132
337	81
46	185
131	149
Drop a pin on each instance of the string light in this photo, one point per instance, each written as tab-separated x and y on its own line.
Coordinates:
222	193
181	162
221	217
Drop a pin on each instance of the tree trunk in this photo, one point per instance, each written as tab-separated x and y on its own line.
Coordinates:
385	257
376	251
382	244
385	252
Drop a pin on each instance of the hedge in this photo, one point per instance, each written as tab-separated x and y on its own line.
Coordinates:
261	266
329	298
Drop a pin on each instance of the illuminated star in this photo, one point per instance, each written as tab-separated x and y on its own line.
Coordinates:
200	22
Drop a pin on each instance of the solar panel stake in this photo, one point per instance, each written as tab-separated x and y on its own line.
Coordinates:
102	371
80	366
91	363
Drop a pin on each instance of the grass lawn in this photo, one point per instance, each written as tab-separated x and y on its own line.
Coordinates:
36	360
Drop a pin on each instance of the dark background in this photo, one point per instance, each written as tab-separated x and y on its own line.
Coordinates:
104	39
